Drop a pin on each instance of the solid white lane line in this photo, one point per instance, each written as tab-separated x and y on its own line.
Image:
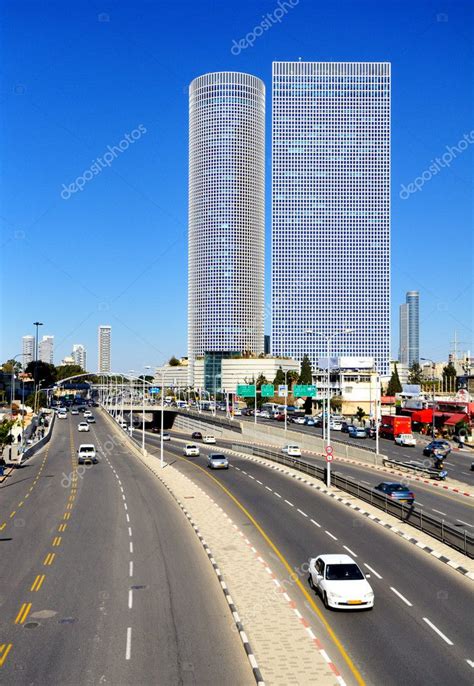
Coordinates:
371	569
436	630
131	547
288	503
439	512
301	512
128	648
130	568
315	523
330	534
407	602
130	599
349	550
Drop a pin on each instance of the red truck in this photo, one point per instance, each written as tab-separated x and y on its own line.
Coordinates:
391	426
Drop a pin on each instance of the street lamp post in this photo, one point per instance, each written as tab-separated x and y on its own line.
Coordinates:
143	414
286	399
131	371
162	416
37	324
433	365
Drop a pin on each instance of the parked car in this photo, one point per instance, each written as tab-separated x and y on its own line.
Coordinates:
191	450
83	426
357	432
437	447
209	439
86	453
217	461
196	435
405	440
293	450
396	491
340	582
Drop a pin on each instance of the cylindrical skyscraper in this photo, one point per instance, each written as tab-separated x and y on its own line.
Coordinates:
226	217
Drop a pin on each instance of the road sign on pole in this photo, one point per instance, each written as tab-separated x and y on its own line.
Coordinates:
283	390
154	390
246	390
308	391
267	390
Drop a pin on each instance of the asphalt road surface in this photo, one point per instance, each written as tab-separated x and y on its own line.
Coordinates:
420	631
95	588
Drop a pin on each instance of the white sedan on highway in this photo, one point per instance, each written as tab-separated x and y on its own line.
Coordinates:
191	450
340	582
293	450
405	440
209	439
83	426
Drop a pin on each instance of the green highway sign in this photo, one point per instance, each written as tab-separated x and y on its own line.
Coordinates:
306	391
267	390
246	390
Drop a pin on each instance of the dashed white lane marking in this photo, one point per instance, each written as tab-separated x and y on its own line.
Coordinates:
470	663
288	503
439	512
277	494
269	489
465	523
128	647
330	534
238	469
131	547
365	482
301	512
407	602
121	488
130	568
351	552
436	630
130	599
125	506
123	497
130	531
128	518
251	477
371	569
259	482
315	523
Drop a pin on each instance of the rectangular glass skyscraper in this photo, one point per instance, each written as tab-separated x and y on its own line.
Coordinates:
331	209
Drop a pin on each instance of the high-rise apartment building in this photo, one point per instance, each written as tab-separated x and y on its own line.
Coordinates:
331	210
226	217
104	348
28	350
46	349
409	348
79	355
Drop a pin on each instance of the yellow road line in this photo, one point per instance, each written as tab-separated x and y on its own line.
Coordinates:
23	613
69	506
12	514
67	515
293	576
3	526
49	559
21	504
38	582
4	650
56	541
62	527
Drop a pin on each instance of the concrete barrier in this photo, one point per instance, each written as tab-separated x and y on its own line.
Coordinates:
29	452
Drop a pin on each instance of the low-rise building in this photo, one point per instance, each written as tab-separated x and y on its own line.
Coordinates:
241	370
176	376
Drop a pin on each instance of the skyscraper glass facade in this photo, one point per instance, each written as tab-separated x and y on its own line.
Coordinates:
226	214
413	302
331	209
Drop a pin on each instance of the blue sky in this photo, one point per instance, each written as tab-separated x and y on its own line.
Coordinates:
115	253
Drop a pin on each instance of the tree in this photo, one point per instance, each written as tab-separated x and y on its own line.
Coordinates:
174	362
46	373
415	374
64	371
5	436
11	365
279	377
40	398
360	414
306	375
449	377
394	385
336	403
292	378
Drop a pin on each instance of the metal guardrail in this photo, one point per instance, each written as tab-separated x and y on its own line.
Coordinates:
432	473
437	528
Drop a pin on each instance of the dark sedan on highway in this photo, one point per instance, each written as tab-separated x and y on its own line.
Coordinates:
438	447
396	491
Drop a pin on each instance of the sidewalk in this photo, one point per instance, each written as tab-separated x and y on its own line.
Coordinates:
285	648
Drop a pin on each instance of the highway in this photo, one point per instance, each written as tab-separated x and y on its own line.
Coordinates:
421	628
458	463
95	589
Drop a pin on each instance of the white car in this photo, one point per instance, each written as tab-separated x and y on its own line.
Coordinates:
62	415
237	413
340	582
83	426
123	425
191	450
87	413
405	440
74	411
335	425
217	461
293	450
209	439
86	453
299	420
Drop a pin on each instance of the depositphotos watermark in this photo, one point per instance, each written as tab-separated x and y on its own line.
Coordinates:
437	164
269	20
101	163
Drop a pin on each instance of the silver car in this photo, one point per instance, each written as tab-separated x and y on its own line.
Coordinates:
217	461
